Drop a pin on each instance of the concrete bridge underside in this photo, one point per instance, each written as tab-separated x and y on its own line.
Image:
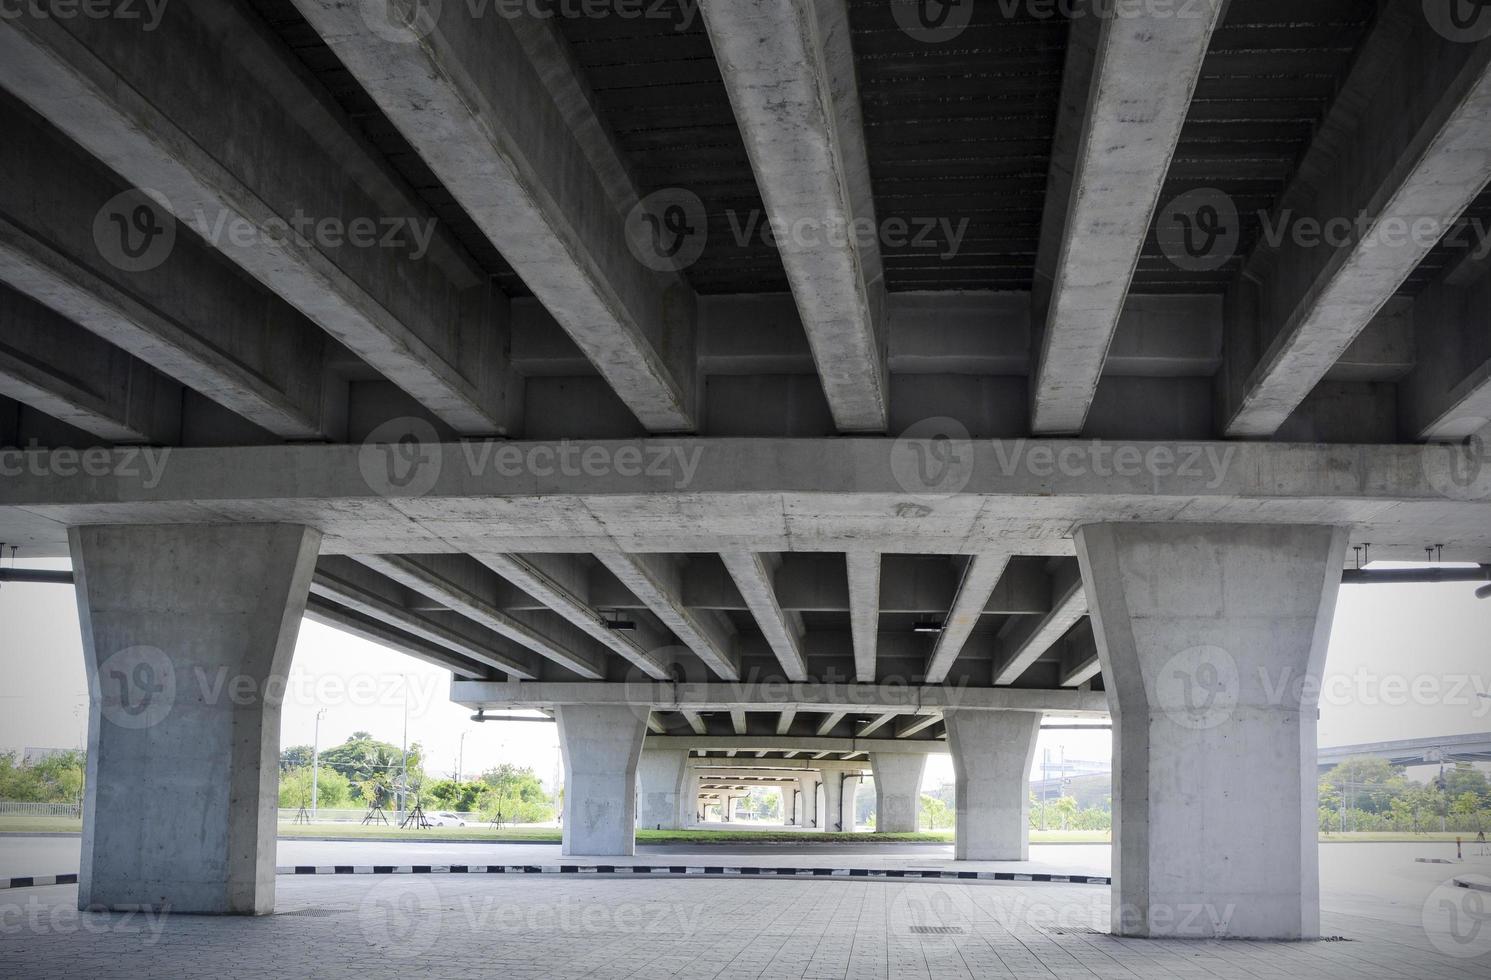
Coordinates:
310	311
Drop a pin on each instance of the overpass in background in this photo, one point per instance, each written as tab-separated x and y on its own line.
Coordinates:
1413	751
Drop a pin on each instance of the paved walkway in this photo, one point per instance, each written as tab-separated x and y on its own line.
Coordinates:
619	928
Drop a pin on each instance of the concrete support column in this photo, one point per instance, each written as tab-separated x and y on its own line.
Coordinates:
807	802
661	781
601	746
992	752
831	819
188	632
847	802
898	791
789	804
1212	638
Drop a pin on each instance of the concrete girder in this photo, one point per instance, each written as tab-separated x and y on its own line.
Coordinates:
696	722
864	571
1421	163
656	580
1125	96
1080	662
789	69
1447	394
466	92
421	321
426	578
918	723
785	719
1029	638
324	611
980	576
878	723
754	575
830	721
532	579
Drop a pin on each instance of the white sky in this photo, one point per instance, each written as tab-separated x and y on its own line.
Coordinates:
1386	641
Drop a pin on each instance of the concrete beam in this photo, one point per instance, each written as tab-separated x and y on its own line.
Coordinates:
338	581
785	719
696	722
527	575
738	721
1402	148
63	371
656	580
1125	96
181	308
423	315
918	723
878	723
421	576
1080	662
754	575
463	89
1029	637
864	611
789	69
830	722
980	576
328	613
1447	394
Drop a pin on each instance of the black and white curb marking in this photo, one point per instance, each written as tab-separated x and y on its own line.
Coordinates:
38	881
680	869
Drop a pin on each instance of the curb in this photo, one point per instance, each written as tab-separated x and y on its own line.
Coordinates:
685	870
38	881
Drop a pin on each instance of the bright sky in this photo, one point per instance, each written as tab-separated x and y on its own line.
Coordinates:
1404	662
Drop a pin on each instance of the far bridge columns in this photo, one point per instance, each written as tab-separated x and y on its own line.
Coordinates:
188	632
1212	638
662	781
898	789
601	745
992	752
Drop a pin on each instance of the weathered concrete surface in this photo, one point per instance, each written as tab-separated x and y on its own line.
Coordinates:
1214	638
898	791
992	753
661	780
188	635
601	746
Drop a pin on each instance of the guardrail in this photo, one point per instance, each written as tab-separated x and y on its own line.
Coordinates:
41	810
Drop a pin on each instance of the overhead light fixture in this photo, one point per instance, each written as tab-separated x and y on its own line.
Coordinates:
927	628
619	625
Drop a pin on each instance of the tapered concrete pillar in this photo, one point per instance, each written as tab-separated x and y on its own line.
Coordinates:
832	815
848	800
601	746
807	802
661	779
188	632
789	804
898	791
992	752
1212	639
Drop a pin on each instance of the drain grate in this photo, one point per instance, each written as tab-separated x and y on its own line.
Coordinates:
938	930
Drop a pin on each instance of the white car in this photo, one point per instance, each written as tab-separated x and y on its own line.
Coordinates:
447	820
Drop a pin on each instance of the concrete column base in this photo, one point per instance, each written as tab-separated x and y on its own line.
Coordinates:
601	746
992	753
661	778
1212	639
898	791
188	632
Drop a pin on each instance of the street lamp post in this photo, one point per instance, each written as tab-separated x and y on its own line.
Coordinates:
316	763
461	756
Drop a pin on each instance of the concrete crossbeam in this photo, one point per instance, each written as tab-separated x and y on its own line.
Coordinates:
754	575
465	90
1123	106
1390	174
421	314
789	69
980	576
1028	638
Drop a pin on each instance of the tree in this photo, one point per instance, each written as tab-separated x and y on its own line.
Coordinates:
935	814
56	779
514	795
332	790
370	764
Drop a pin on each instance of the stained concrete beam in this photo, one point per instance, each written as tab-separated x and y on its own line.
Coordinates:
530	576
1029	637
789	69
1447	395
753	575
1080	662
425	577
1125	96
466	92
242	146
66	372
864	611
980	577
1401	150
656	580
